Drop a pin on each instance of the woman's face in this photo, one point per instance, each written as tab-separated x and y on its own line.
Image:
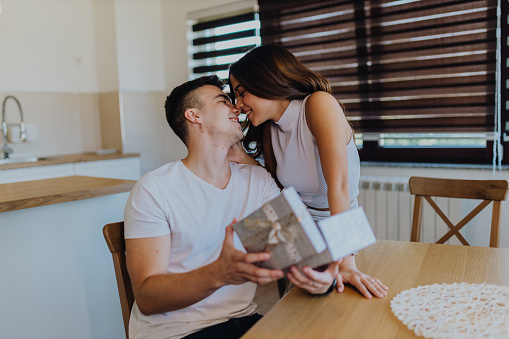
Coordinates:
258	110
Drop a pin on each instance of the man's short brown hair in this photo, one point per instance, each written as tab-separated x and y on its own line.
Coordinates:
184	97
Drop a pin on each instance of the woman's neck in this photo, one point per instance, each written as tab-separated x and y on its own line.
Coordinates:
280	107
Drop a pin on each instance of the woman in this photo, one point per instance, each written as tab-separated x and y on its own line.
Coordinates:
306	142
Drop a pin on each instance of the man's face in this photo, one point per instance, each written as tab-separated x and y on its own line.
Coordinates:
220	118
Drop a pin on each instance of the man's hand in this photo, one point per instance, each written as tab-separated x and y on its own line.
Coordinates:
236	267
157	291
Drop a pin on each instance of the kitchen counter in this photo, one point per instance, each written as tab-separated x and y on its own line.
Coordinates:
67	159
56	268
27	194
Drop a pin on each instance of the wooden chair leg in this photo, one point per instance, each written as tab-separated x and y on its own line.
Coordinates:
417	220
495	225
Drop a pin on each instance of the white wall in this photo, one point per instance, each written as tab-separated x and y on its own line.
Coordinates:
175	36
47	46
84	45
142	83
105	35
48	61
139	44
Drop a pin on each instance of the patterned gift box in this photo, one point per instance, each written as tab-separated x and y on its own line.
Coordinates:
282	227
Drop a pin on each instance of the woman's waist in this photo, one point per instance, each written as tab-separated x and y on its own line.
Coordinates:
318	202
317	208
321	202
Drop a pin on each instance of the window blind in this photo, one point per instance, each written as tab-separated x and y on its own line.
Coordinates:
504	72
398	66
217	42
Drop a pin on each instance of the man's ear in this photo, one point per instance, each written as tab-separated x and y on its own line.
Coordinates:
191	114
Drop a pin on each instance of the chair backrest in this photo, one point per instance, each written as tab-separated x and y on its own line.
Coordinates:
487	190
114	236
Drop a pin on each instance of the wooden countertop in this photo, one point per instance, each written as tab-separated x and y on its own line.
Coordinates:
27	194
67	159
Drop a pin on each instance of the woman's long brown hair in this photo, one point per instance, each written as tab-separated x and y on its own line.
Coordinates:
274	73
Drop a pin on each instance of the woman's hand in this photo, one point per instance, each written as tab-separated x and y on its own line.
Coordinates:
313	281
349	274
238	154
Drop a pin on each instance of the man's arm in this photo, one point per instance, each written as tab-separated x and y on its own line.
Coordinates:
157	291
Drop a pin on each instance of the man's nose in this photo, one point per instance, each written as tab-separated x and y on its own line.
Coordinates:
233	108
236	110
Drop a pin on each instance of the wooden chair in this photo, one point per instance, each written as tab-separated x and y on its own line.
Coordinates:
114	236
488	190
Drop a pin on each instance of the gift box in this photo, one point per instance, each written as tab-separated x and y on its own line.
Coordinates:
283	227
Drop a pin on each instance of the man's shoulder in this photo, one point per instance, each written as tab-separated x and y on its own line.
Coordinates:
166	169
163	173
252	172
247	169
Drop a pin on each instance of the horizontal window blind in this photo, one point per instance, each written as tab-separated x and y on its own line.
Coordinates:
504	73
398	66
216	43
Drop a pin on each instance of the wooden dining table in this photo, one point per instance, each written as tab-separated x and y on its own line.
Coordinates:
401	266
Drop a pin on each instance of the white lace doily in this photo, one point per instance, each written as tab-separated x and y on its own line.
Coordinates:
455	310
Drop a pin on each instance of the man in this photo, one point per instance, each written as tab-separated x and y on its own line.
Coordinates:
188	275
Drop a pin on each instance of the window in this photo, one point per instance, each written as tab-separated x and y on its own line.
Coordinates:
221	36
418	78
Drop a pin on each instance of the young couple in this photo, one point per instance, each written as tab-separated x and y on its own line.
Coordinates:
190	275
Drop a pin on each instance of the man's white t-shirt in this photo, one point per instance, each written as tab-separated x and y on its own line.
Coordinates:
173	200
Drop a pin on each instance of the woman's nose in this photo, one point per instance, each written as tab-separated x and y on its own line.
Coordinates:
239	103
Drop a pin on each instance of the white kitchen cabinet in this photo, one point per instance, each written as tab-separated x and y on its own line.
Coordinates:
58	279
122	168
126	168
36	173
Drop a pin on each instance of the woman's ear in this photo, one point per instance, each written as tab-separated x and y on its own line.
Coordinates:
191	115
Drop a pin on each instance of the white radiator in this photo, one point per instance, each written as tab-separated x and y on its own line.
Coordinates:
389	207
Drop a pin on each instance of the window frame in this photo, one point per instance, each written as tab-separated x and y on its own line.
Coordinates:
201	57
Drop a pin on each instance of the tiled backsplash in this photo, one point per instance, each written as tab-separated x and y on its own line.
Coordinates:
71	123
68	122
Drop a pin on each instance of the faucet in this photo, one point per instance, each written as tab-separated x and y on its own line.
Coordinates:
6	150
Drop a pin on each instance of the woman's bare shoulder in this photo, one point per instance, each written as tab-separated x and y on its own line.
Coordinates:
320	96
323	101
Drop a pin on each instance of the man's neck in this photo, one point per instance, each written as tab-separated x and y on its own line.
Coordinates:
210	164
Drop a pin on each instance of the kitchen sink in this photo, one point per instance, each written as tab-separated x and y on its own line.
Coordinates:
18	160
